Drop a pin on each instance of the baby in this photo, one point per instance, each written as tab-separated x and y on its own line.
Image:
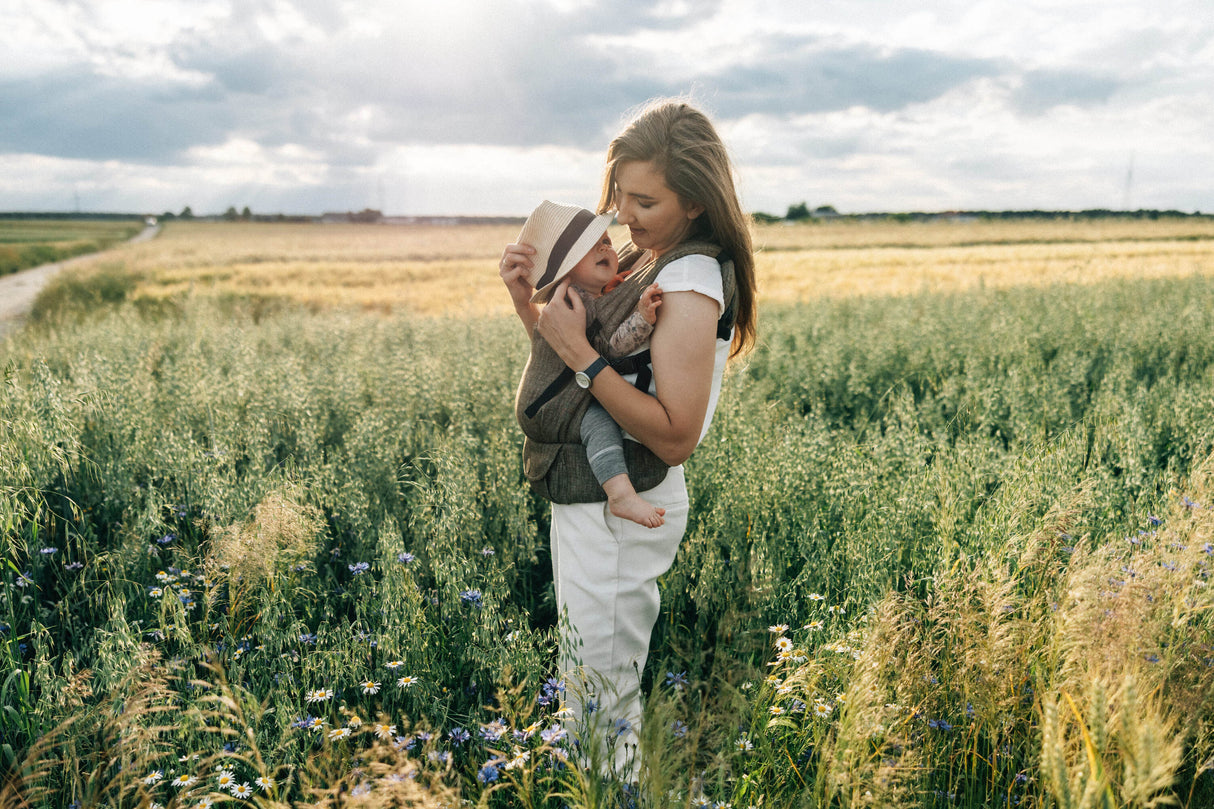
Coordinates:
558	243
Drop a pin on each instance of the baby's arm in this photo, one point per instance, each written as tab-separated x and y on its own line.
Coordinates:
634	331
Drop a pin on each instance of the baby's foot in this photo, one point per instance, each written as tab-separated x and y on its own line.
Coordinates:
636	508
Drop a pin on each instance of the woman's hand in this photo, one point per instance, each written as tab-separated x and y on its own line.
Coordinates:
562	323
514	268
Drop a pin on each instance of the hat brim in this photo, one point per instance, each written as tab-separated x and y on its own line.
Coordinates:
590	236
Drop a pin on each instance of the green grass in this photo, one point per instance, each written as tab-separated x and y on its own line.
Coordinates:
28	243
983	520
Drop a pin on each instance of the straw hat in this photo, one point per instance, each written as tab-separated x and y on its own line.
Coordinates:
562	235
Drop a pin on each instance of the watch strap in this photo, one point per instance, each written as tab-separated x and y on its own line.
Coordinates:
593	369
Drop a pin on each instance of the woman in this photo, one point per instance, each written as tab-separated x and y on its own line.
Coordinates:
669	180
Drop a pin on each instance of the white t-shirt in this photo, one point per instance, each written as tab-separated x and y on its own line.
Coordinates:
700	274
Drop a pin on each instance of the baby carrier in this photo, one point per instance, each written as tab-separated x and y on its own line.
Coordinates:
549	407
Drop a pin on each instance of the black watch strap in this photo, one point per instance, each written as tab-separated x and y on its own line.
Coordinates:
594	368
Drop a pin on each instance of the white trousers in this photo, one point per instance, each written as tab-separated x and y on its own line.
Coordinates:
606	573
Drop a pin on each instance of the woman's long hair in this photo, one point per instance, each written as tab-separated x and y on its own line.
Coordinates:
683	144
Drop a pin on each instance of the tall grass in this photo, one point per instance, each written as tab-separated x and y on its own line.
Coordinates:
944	550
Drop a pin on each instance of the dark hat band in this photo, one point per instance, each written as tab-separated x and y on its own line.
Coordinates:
576	227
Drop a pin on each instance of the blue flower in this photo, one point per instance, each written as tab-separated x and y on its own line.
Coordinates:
166	539
679	729
939	724
489	772
1152	658
676	681
405	558
458	736
487	551
48	551
1188	503
73	566
471	597
308	637
621	726
359	568
24	580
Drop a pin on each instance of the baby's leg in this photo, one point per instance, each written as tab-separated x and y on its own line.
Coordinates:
605	450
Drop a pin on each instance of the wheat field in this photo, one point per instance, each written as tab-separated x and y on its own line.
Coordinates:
451	270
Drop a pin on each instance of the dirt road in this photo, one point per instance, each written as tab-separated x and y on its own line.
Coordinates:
18	291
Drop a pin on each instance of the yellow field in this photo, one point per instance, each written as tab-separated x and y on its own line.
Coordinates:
453	270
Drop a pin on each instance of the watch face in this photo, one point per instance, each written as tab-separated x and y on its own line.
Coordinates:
581	379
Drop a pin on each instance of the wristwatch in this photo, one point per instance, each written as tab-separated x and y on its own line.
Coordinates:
585	378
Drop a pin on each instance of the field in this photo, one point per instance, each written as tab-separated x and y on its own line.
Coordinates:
29	242
265	528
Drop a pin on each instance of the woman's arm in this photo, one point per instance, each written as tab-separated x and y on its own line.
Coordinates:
513	269
682	348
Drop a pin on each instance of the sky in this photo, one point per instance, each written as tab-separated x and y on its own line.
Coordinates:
485	107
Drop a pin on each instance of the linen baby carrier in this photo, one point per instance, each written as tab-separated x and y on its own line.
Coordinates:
549	406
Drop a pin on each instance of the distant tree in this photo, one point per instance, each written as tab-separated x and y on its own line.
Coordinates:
168	215
764	218
230	214
246	214
825	210
797	212
186	213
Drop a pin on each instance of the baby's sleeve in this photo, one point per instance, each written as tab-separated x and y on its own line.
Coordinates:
631	335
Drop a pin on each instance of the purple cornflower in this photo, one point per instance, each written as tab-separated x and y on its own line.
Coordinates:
406	558
676	681
678	729
471	597
939	724
458	736
166	539
489	771
48	551
359	568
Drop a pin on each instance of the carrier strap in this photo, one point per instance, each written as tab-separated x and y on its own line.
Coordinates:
638	364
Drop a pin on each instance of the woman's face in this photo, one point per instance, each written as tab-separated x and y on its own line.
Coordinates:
657	220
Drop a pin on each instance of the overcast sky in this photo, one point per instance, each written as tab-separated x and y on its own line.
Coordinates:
486	107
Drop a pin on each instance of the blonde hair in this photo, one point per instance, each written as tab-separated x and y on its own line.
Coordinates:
683	144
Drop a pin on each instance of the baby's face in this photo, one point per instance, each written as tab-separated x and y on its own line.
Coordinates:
597	267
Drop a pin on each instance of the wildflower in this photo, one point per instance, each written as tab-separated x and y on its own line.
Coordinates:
359	568
24	580
676	681
553	735
520	758
166	539
783	644
1189	503
370	687
205	803
816	597
701	802
1152	658
308	637
836	610
184	780
471	597
777	629
265	783
316	724
776	710
438	756
939	724
1208	548
319	695
487	551
155	592
354	722
242	791
822	710
494	730
224	779
337	734
73	566
49	551
814	626
489	771
458	736
405	558
154	777
621	726
408	681
393	665
678	729
385	731
744	744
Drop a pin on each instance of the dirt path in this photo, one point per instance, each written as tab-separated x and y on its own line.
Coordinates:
18	291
